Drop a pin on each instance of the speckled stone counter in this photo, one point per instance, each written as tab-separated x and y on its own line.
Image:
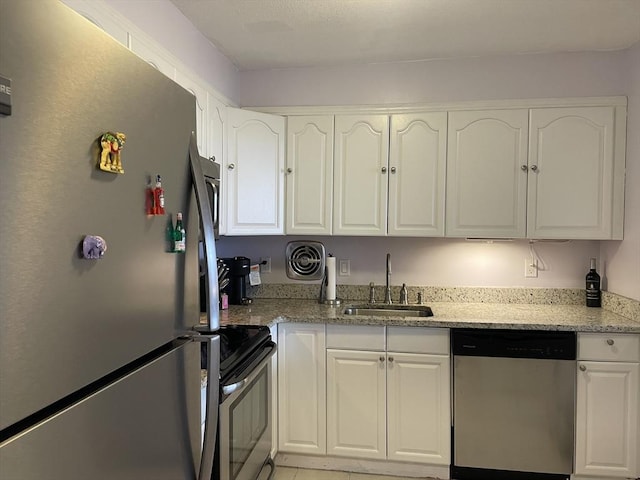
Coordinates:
446	314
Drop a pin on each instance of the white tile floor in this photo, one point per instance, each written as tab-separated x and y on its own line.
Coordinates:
286	473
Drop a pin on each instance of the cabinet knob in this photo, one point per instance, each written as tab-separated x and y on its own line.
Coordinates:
231	166
534	168
610	341
583	368
212	158
384	169
289	170
393	169
524	168
390	359
381	359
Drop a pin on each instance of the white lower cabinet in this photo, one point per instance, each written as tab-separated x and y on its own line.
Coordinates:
607	406
418	399
389	404
356	404
301	388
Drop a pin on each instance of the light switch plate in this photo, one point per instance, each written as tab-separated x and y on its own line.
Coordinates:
344	268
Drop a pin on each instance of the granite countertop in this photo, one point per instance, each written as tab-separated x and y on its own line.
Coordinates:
446	314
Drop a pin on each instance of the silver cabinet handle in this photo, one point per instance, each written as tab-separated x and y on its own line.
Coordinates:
583	368
390	359
231	166
524	168
381	359
393	169
384	169
610	341
212	158
534	168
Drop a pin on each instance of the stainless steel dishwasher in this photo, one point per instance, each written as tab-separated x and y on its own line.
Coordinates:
513	404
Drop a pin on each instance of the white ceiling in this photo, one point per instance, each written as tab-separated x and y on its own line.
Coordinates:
266	34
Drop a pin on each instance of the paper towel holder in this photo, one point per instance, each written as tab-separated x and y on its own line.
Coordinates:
323	291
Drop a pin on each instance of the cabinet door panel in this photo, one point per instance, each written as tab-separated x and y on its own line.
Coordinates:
301	388
360	185
356	410
309	174
570	190
254	173
486	184
607	419
202	114
419	408
417	162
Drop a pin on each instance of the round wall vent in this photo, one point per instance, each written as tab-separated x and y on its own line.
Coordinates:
305	260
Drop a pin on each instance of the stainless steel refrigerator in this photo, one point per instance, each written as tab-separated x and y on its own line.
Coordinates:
99	362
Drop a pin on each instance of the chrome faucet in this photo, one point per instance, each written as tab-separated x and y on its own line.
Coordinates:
387	291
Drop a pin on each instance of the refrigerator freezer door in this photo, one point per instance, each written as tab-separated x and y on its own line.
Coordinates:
144	426
66	321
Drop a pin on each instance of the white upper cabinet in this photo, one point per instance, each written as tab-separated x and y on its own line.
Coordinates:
309	177
417	167
202	115
573	174
486	173
253	175
360	175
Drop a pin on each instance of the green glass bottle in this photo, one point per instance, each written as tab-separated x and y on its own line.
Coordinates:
179	236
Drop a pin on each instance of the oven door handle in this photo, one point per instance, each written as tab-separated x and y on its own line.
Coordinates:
234	387
229	389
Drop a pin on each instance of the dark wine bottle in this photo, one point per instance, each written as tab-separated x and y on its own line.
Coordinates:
593	286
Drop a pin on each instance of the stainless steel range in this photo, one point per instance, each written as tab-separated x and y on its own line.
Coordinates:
244	431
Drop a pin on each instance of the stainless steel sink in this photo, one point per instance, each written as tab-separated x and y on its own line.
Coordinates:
389	310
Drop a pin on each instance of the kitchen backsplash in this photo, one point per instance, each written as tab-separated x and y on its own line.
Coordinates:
540	296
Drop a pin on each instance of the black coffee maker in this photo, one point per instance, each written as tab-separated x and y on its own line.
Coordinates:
239	268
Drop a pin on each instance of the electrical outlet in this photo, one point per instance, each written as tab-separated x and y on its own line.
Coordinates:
266	268
344	269
530	268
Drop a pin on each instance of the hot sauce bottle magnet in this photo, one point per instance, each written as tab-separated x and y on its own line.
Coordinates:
154	197
158	197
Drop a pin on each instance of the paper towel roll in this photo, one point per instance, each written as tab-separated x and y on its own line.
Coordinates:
331	278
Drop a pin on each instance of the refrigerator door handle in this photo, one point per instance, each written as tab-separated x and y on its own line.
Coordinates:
212	404
208	236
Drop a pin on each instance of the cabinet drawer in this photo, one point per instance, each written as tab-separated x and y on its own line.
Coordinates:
418	340
356	337
615	347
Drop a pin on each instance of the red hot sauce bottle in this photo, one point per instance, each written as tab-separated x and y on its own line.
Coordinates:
158	197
